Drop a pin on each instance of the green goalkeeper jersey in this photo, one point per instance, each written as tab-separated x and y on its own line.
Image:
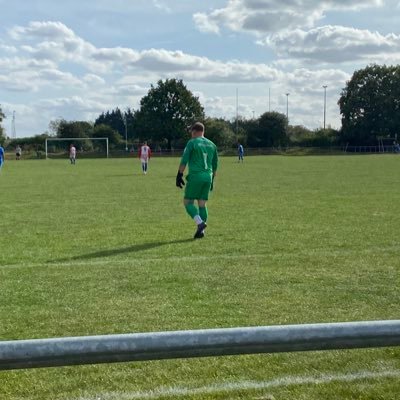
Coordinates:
201	156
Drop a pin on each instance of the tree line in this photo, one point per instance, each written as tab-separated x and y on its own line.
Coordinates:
369	107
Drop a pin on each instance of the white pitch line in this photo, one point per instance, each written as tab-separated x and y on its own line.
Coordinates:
229	387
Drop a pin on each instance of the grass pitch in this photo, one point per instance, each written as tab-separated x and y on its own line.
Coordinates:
98	248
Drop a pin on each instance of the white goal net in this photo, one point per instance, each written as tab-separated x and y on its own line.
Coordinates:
85	147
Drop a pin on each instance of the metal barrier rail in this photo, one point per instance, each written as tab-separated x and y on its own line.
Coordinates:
196	343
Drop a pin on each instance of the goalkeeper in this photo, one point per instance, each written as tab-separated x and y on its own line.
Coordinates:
201	155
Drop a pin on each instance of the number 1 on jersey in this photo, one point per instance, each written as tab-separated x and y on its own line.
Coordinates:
205	160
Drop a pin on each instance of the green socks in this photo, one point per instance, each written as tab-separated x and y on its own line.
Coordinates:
191	209
203	212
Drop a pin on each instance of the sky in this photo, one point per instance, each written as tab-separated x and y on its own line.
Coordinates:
77	59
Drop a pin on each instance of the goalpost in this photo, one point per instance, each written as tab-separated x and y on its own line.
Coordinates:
73	140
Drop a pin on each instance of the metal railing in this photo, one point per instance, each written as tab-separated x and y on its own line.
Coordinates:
55	352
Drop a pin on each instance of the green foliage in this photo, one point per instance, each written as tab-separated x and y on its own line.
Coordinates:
298	133
239	127
115	119
269	130
325	137
167	111
105	131
29	144
74	129
220	132
301	136
247	131
370	105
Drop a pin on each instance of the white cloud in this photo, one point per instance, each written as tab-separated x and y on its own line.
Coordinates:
162	6
333	44
50	30
77	102
62	74
94	80
54	41
17	83
66	46
20	63
206	24
8	49
269	16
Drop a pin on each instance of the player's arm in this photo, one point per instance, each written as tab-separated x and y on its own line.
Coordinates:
215	162
182	166
214	168
179	176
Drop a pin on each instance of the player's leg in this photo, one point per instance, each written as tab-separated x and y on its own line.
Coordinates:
192	192
203	211
192	210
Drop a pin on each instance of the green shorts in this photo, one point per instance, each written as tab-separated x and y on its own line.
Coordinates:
197	186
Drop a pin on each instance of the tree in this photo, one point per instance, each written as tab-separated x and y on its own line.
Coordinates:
54	126
129	116
105	131
270	129
301	136
166	112
220	132
75	129
114	119
370	105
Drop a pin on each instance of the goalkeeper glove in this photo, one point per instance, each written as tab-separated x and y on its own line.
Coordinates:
179	180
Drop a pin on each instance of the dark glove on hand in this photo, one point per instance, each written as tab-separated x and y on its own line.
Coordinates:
212	184
179	180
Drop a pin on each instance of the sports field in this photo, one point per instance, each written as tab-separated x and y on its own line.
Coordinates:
99	248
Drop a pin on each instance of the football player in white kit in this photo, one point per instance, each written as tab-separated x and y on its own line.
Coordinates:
144	155
72	154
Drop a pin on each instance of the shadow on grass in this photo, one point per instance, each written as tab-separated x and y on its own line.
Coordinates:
123	250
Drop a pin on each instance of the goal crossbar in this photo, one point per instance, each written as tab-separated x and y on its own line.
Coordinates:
75	140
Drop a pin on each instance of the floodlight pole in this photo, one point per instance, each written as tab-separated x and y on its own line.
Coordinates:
126	133
287	107
324	86
237	111
269	99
